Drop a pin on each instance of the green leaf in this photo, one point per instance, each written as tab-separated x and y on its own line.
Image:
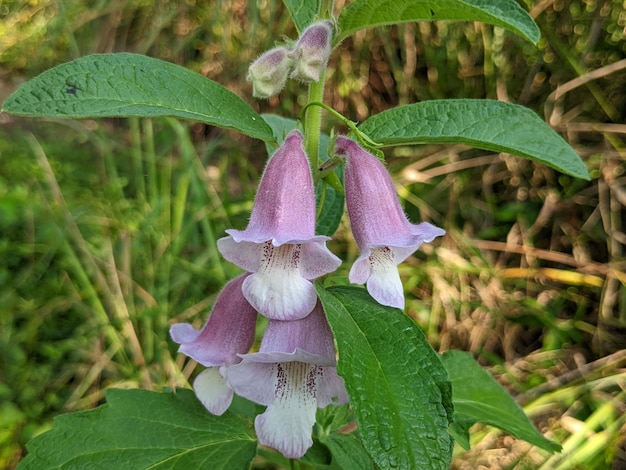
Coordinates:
487	124
317	455
347	451
479	398
329	201
370	13
302	12
281	126
138	429
398	387
460	429
121	85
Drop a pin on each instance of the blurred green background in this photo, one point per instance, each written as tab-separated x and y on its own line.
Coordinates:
108	227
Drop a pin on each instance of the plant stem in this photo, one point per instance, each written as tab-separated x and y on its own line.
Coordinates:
137	158
313	122
313	118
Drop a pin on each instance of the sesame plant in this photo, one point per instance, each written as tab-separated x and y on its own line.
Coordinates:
342	377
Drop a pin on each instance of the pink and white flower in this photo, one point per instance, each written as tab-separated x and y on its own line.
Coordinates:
380	227
294	373
279	246
228	332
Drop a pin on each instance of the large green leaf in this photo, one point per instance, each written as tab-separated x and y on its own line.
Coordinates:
119	85
139	429
369	13
478	397
329	200
398	387
487	124
302	12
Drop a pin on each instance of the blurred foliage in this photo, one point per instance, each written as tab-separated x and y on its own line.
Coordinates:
107	227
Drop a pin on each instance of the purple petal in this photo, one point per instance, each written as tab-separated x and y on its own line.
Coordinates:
376	217
228	332
308	340
317	260
381	229
293	374
332	388
246	255
284	206
311	335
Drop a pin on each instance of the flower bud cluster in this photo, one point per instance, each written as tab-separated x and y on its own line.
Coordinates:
304	62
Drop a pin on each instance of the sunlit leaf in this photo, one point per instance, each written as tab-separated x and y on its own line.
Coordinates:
398	388
120	85
370	13
302	12
487	124
139	429
478	398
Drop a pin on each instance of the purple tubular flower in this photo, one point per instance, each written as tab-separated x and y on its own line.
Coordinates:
269	72
312	51
293	373
381	229
279	245
229	332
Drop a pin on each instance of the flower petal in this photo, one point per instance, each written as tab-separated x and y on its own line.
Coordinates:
361	269
228	332
282	296
420	233
376	216
381	229
184	333
245	254
287	422
284	206
311	335
331	388
277	289
213	391
317	260
293	374
384	283
308	340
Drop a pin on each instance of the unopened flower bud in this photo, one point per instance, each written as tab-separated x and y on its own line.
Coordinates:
269	72
312	52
